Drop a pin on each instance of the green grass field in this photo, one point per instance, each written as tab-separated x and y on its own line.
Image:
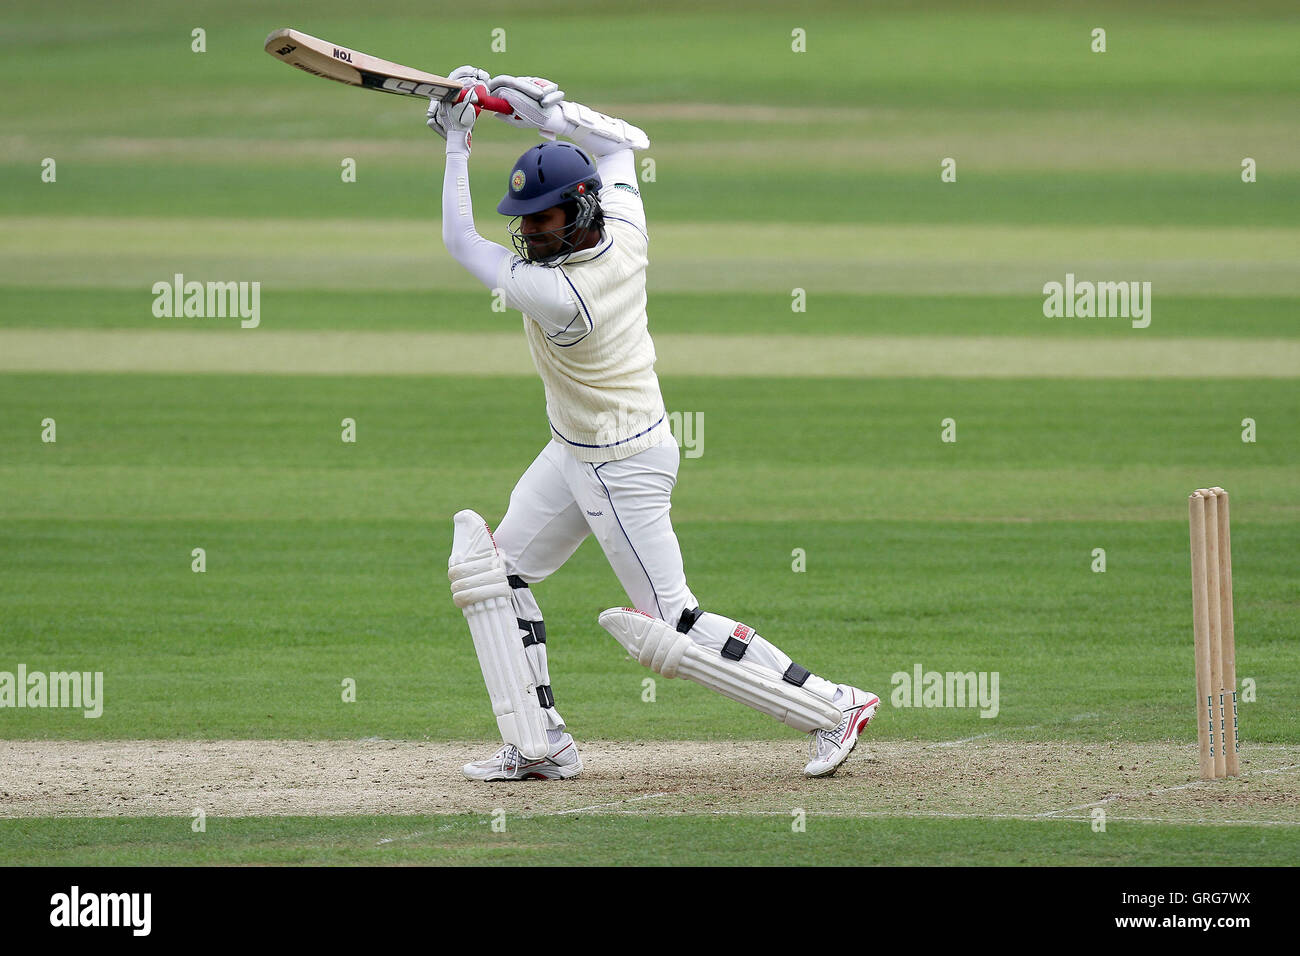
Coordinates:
773	171
604	841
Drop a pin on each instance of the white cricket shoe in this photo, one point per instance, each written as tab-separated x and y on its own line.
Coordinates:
830	747
509	764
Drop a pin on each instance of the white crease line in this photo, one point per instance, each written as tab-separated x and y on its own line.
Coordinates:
1116	796
412	836
409	836
966	740
958	743
1152	793
1294	766
602	806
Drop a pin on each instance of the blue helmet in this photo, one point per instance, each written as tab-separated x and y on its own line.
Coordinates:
554	174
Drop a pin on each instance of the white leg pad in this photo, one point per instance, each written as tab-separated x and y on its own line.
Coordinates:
666	651
480	589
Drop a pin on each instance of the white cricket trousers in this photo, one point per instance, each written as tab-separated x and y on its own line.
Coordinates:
559	501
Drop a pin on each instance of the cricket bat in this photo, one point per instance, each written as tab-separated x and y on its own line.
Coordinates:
322	58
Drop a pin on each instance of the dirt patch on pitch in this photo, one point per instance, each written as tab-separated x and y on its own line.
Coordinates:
979	778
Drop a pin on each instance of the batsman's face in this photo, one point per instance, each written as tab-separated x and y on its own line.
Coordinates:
543	231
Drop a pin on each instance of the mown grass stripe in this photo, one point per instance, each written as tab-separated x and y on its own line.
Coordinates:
926	259
713	356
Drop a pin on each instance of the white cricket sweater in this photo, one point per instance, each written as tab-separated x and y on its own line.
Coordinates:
585	320
602	395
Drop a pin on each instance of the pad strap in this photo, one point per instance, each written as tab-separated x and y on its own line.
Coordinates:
738	642
794	674
536	631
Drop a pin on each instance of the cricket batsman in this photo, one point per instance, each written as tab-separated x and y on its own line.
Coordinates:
577	273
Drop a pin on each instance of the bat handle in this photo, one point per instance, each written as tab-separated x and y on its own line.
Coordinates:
494	103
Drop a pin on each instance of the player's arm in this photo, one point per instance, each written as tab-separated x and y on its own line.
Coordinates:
543	294
454	122
481	257
611	142
619	196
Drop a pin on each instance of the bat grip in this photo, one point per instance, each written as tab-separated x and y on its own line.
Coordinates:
494	103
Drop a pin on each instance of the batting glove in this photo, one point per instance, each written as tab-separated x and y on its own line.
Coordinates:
535	101
447	116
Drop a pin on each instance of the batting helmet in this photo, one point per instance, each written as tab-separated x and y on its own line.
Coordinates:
553	174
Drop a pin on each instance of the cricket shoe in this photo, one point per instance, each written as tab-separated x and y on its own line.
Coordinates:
830	747
509	764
